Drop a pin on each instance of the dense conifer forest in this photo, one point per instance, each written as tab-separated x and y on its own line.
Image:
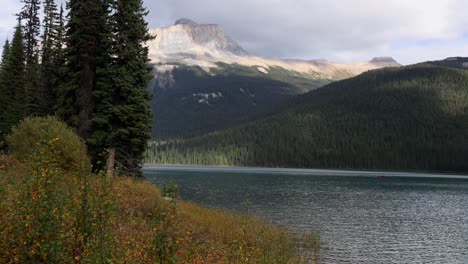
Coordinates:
409	118
87	63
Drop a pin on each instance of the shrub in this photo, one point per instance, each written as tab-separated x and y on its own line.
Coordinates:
35	133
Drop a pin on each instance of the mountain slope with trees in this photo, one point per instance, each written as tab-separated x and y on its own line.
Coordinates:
198	102
205	81
410	118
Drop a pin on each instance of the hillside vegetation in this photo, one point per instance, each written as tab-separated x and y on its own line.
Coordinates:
54	210
410	118
199	102
454	62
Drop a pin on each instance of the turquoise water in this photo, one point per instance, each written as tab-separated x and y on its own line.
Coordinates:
362	216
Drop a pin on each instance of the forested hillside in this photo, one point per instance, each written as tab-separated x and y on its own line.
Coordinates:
454	62
410	118
196	102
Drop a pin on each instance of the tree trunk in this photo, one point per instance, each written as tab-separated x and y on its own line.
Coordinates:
111	163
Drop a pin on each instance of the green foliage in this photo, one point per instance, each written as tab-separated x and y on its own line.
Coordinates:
411	118
32	27
169	191
12	85
3	91
5	53
201	102
38	132
32	92
51	59
87	55
29	73
103	94
53	216
121	116
56	211
164	245
30	14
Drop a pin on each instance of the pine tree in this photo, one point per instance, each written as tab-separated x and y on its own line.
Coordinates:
5	53
59	60
98	140
32	28
130	114
48	59
84	37
3	90
32	88
13	84
86	73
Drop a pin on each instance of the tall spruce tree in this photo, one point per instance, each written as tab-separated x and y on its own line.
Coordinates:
32	28
13	85
130	114
59	60
5	53
3	90
48	58
88	60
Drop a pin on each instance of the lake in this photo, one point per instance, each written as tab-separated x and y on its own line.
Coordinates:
363	217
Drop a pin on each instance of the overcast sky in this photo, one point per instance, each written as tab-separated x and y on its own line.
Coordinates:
340	30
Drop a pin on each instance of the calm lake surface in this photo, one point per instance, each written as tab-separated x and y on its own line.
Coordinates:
362	217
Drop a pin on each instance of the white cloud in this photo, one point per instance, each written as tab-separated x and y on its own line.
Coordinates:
7	19
343	30
333	29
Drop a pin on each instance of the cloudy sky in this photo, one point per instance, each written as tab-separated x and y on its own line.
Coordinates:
340	30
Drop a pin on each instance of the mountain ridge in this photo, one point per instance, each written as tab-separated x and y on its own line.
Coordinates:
189	43
193	62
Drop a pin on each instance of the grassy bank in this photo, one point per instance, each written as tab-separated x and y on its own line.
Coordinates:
53	215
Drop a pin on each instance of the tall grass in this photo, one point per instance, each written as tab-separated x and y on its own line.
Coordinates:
52	215
54	210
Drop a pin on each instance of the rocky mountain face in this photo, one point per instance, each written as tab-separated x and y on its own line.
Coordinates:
205	81
385	62
204	45
189	43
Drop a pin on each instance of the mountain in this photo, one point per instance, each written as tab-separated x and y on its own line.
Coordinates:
204	80
409	118
204	45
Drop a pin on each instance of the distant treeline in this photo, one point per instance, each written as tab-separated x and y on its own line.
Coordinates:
410	118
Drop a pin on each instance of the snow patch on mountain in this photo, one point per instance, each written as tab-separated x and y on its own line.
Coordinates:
204	98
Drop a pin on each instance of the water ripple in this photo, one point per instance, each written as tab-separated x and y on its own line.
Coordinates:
361	219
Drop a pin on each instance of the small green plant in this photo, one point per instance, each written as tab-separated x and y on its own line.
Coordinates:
165	242
170	191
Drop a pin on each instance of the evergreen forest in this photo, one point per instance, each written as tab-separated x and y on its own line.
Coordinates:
409	118
86	63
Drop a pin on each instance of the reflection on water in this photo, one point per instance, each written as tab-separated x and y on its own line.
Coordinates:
361	219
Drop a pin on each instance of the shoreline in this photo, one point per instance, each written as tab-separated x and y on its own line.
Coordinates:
306	172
